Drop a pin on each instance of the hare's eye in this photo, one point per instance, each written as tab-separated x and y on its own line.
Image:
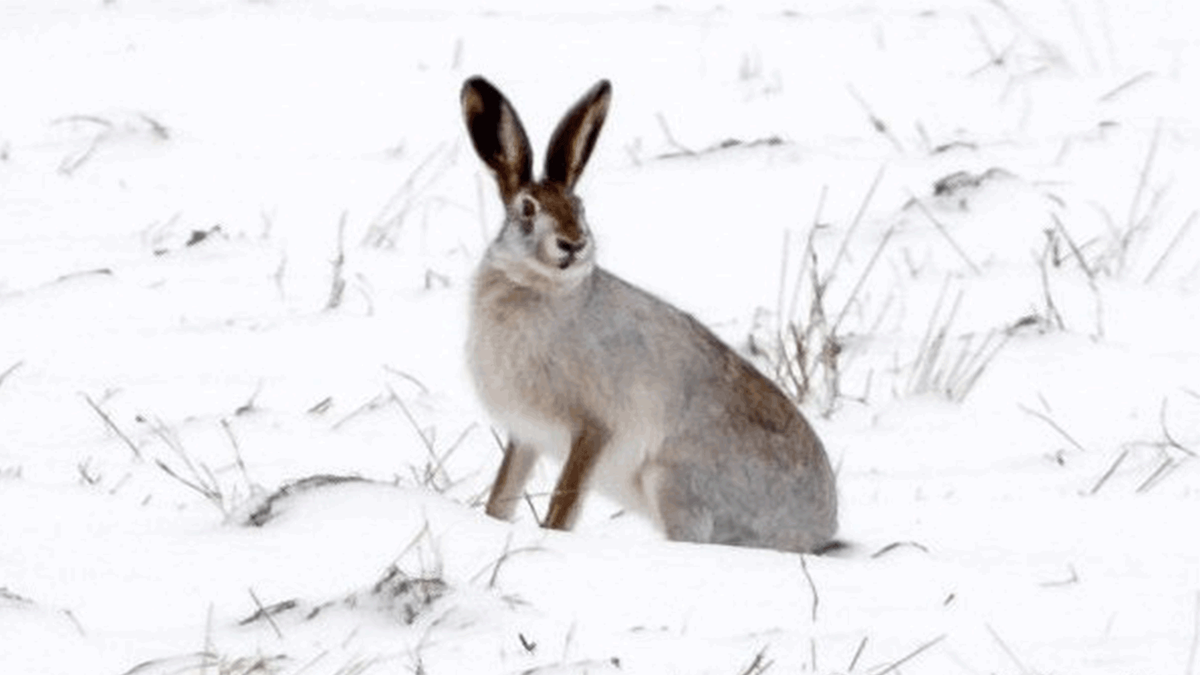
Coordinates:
527	211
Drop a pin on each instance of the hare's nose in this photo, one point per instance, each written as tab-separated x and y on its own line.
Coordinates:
567	246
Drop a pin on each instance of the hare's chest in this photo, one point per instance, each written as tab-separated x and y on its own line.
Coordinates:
513	367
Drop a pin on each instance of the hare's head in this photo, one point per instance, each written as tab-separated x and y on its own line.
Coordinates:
545	242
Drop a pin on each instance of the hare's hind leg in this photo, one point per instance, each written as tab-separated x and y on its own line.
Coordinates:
586	446
509	485
676	507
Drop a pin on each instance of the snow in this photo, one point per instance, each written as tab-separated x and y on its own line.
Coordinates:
176	182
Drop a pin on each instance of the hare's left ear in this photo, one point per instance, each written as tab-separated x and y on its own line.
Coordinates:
572	141
498	136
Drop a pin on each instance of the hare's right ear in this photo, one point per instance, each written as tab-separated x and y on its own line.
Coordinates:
498	135
573	139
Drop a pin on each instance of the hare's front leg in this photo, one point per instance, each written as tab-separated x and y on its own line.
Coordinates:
509	486
568	493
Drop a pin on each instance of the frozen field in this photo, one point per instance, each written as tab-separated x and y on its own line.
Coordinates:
236	431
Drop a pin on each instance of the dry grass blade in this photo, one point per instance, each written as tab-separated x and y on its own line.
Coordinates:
373	404
759	664
941	228
1053	316
1165	467
923	347
411	378
806	256
1112	468
1007	650
931	349
895	665
1166	432
1075	251
507	554
112	426
680	149
390	219
434	469
862	647
816	599
1162	259
237	452
877	122
265	613
9	371
198	661
1143	179
1054	425
1191	664
972	364
853	227
202	490
862	278
1127	84
337	285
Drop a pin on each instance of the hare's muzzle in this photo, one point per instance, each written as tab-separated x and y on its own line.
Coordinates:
570	250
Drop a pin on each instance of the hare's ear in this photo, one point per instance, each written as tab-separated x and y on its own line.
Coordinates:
498	135
573	139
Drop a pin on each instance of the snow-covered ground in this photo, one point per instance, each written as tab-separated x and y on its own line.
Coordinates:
235	240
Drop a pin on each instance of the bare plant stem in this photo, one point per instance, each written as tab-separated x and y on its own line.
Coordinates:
816	599
941	228
113	427
1054	425
895	665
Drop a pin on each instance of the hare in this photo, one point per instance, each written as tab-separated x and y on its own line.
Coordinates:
633	395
